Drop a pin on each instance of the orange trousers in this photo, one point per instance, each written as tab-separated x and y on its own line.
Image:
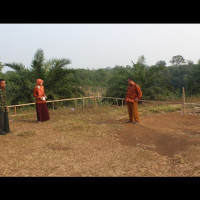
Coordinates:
133	111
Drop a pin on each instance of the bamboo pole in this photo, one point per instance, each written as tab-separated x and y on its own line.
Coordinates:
183	100
75	103
15	110
95	101
117	102
83	103
53	105
193	104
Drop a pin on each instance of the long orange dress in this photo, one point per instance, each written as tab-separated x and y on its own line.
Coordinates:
41	106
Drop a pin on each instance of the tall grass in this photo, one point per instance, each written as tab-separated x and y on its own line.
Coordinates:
159	108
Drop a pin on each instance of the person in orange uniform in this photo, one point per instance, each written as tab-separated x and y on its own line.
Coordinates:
134	93
41	106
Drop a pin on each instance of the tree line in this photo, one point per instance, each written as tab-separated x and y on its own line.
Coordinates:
158	82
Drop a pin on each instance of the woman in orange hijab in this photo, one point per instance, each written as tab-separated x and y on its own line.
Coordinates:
41	106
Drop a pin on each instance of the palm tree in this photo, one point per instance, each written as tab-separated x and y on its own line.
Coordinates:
58	80
150	79
19	84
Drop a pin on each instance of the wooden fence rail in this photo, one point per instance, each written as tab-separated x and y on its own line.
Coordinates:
59	100
95	102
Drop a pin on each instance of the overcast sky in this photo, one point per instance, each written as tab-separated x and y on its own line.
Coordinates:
97	46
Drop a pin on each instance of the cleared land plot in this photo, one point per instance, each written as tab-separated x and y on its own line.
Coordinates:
98	142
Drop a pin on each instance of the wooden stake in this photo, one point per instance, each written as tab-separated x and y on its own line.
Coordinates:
83	103
75	103
183	100
53	105
15	110
95	101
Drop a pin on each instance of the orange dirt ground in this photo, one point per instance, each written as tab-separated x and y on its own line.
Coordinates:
98	142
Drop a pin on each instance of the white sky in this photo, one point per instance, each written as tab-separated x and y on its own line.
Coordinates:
96	46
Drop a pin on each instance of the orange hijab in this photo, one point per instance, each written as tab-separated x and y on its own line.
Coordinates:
39	81
39	86
132	83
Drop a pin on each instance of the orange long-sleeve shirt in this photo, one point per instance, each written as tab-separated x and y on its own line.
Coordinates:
39	92
133	92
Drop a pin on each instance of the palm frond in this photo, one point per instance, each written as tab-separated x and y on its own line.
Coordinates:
49	64
38	64
60	63
16	66
38	60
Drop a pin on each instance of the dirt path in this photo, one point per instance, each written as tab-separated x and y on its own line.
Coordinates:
165	134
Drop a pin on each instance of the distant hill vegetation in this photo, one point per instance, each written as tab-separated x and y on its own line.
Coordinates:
157	82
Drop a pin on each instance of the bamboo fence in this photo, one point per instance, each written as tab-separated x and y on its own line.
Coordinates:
94	98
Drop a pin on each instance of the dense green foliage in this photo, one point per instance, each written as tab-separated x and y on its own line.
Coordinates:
59	81
157	82
150	79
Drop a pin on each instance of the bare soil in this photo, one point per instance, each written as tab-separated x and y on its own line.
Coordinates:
98	142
